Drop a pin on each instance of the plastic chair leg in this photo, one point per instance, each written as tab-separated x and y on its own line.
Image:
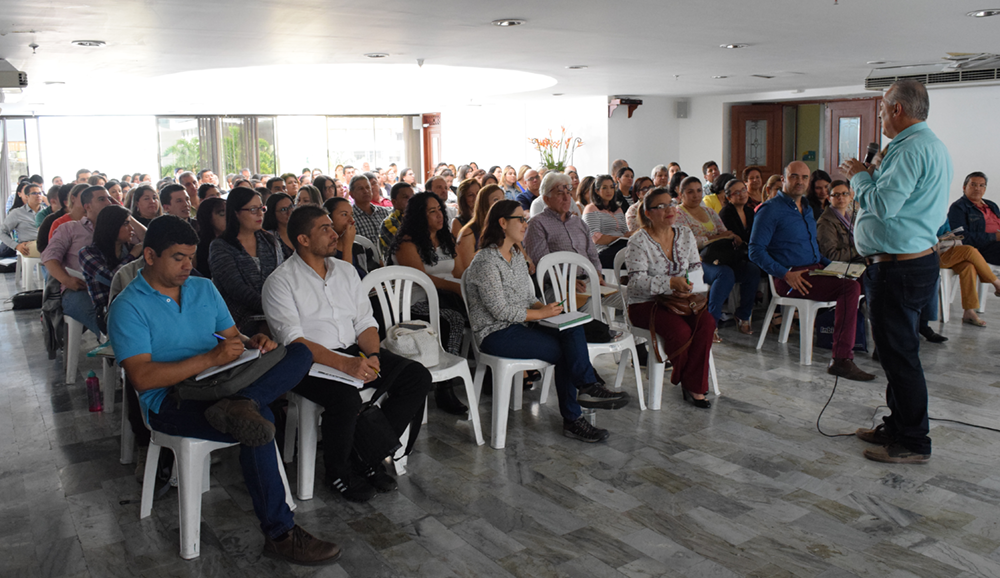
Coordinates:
712	374
192	473
517	392
985	290
655	370
502	385
308	425
786	322
638	376
71	359
944	305
470	393
128	438
284	479
548	374
291	424
767	322
149	480
807	322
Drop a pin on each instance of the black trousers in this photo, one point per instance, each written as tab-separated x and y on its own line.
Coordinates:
341	403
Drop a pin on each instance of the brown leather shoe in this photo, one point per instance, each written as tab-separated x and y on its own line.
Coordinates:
845	368
875	436
241	419
895	454
301	547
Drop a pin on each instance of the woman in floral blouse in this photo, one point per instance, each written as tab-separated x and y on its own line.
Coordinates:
660	256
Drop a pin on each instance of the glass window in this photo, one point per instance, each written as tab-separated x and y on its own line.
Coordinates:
756	138
180	145
266	161
300	142
849	146
377	141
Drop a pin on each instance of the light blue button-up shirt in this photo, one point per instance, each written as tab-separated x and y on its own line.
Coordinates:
905	200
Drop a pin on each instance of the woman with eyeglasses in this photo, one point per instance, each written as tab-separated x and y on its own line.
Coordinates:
502	303
729	264
640	187
737	215
835	226
211	219
606	220
279	208
660	257
425	244
242	258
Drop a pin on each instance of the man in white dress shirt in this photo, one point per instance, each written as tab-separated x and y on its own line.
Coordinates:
317	300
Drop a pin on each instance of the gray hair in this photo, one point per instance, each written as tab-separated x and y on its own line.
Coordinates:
912	96
657	169
355	180
186	174
553	179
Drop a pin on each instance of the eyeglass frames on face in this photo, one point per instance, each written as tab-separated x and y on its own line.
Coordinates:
661	206
515	218
287	209
255	210
838	195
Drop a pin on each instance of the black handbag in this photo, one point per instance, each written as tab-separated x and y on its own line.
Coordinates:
27	300
374	438
723	252
231	381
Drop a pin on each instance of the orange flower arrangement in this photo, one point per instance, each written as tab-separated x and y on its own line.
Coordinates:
554	152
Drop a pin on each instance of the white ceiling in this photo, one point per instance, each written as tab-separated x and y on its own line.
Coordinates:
279	56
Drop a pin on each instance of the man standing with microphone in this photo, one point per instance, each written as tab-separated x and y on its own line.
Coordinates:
902	204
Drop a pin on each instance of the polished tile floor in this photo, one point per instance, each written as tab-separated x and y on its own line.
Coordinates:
748	488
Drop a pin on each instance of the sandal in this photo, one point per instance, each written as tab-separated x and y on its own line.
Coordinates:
976	322
716	338
744	326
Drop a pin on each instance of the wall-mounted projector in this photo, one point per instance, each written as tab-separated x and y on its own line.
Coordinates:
12	79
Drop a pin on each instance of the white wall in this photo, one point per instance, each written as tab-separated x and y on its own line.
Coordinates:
647	139
497	133
115	145
966	119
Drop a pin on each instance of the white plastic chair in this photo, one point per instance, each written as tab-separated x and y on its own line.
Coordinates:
31	272
373	246
560	270
507	380
655	369
192	461
808	310
947	290
986	290
74	336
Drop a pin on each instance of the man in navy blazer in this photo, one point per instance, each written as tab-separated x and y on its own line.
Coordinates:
979	217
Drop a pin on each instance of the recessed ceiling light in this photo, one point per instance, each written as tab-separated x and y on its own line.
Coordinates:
984	13
90	43
720	76
876	62
50	82
733	46
505	22
377	55
558	93
577	67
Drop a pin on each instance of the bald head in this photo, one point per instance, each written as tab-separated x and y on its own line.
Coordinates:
796	179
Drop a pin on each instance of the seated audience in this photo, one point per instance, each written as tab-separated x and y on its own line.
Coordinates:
54	204
316	301
818	193
409	177
42	239
501	301
624	178
737	215
18	231
711	172
640	187
377	199
660	175
242	259
835	226
307	195
292	185
771	189
425	244
979	218
117	242
160	344
342	217
145	204
970	266
532	181
400	194
606	220
367	217
62	255
557	228
754	181
327	186
175	201
783	244
467	243
509	183
467	191
724	272
74	211
581	194
207	191
279	207
660	256
211	226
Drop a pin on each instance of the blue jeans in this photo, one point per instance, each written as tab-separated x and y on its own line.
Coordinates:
260	464
567	350
722	278
79	306
897	292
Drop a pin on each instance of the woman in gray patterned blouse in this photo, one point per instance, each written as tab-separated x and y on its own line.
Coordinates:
501	298
660	256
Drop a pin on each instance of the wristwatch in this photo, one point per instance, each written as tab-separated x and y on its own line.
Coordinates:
370	355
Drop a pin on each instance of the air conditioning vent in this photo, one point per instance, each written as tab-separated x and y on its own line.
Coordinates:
944	77
959	70
979	75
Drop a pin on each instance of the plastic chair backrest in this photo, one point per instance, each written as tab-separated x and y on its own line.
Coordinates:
394	287
368	244
561	269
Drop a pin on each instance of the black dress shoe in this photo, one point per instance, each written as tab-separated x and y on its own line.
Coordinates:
931	336
444	396
702	403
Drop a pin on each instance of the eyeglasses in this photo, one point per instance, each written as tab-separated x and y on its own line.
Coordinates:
660	207
645	189
255	210
838	195
286	209
34	194
220	213
513	218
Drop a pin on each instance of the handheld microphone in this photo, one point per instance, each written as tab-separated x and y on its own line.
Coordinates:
872	151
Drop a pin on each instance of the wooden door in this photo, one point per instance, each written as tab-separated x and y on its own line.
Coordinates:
432	142
756	138
850	126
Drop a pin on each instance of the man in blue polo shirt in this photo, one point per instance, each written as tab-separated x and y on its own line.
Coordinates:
783	243
163	328
902	204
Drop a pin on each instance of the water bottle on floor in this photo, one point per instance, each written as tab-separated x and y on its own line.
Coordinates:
94	392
